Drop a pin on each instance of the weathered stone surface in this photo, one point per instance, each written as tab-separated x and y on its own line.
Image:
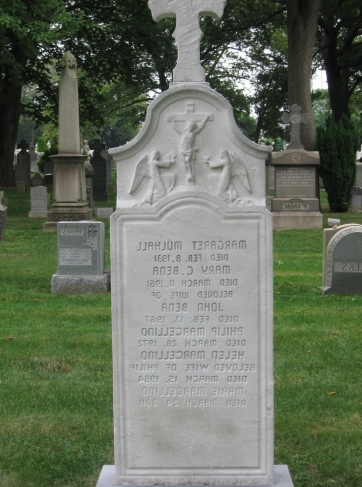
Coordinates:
342	260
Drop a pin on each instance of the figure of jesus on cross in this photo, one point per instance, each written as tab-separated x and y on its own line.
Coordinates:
188	135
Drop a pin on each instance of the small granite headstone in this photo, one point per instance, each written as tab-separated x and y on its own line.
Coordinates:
3	215
104	212
342	260
80	259
39	202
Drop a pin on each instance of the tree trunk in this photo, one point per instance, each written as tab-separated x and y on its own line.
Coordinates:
302	17
337	80
10	110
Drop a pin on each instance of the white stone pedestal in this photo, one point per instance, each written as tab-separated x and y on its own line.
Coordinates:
282	477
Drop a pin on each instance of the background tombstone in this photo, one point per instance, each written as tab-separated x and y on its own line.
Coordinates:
39	202
48	171
104	212
342	260
80	259
3	215
33	158
99	164
296	203
22	168
90	202
37	180
192	290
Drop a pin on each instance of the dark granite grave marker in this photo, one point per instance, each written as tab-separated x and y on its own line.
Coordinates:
99	164
22	168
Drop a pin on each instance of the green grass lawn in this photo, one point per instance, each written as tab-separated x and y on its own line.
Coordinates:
56	425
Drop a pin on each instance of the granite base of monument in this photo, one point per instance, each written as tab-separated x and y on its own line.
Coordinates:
282	477
297	220
81	284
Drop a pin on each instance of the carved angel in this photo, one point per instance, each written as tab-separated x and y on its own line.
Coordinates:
159	186
232	166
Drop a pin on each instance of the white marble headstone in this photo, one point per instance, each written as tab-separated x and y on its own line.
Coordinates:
191	244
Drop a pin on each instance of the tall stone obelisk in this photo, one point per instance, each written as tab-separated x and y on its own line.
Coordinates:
69	187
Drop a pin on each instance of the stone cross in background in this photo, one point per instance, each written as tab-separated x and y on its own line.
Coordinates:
295	118
187	33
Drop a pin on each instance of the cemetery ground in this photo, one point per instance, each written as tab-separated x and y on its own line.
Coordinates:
56	425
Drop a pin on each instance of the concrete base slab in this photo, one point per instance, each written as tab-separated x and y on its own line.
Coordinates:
297	220
63	284
282	478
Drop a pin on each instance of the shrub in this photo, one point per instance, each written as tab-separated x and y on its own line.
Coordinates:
337	145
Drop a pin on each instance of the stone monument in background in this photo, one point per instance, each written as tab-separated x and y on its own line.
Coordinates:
69	186
296	203
22	168
192	297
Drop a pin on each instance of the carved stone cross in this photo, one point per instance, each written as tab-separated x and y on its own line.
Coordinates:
187	33
23	145
295	118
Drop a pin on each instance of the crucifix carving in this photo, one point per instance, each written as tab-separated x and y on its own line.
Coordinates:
192	124
295	118
187	33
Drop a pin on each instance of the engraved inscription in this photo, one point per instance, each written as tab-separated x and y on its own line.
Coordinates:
78	257
194	336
